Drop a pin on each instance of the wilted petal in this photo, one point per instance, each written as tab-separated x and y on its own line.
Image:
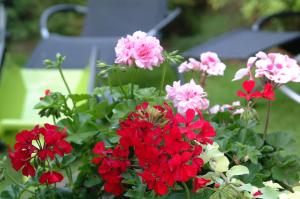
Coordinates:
240	74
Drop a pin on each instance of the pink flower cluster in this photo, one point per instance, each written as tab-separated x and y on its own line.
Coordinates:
187	96
234	108
209	63
276	67
140	49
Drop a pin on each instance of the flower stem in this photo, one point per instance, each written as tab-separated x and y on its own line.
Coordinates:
18	184
202	79
267	120
163	76
69	175
187	191
120	83
66	84
132	84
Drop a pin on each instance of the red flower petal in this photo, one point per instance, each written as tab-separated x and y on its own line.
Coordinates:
199	183
99	148
249	85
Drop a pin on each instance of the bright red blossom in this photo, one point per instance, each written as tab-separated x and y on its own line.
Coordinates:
268	92
44	141
161	143
50	177
248	85
199	183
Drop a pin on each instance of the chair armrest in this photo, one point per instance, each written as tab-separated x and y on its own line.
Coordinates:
171	16
263	20
54	9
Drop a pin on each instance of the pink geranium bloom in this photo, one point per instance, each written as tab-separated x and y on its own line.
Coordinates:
212	64
209	63
276	67
187	96
140	49
190	65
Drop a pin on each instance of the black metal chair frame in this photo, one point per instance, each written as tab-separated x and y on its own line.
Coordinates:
45	33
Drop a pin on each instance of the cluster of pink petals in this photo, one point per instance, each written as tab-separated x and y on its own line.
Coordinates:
276	67
209	63
234	108
140	49
187	96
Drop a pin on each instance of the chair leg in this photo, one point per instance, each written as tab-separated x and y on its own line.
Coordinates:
290	93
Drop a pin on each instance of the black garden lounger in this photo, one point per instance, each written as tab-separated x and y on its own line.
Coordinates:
243	43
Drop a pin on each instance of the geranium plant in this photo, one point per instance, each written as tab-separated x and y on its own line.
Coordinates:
124	141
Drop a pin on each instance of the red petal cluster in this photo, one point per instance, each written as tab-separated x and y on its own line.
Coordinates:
45	142
248	85
165	152
51	177
112	164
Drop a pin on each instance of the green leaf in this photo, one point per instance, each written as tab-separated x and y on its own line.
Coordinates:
227	192
280	139
246	152
269	193
79	138
92	181
220	164
237	171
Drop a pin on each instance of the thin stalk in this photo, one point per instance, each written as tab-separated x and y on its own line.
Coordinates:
120	83
132	85
54	120
109	83
18	184
163	76
203	79
187	191
267	120
66	84
69	175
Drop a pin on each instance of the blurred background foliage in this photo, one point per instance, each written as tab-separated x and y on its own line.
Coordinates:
23	15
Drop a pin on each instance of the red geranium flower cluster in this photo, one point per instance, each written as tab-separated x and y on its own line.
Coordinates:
35	146
248	85
165	146
113	164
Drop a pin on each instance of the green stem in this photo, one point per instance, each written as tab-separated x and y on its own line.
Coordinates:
54	121
66	84
163	76
267	120
109	83
187	191
18	184
132	84
69	175
64	80
120	83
